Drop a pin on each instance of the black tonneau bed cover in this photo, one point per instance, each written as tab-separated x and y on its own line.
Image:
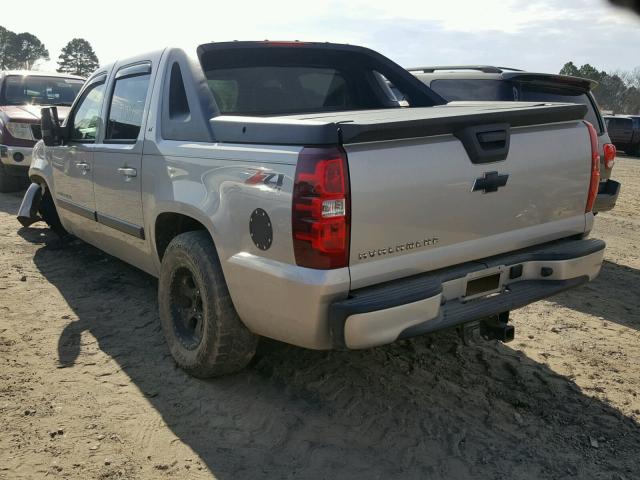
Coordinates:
386	124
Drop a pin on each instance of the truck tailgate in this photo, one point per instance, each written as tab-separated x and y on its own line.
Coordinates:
418	204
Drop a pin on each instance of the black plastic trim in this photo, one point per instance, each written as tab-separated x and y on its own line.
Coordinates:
143	68
486	143
420	287
539	115
331	129
266	131
455	313
107	220
379	297
120	225
75	208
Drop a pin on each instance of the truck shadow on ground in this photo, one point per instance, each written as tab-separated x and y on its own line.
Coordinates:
614	296
425	408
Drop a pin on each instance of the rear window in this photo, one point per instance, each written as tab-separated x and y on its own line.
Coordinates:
261	79
533	94
455	89
267	90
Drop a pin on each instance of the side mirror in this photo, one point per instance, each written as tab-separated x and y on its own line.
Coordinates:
50	127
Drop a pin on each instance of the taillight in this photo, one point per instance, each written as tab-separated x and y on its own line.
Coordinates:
609	155
595	167
320	210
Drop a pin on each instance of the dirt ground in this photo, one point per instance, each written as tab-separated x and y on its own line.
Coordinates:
88	388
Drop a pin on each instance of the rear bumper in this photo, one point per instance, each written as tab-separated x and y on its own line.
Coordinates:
13	156
434	301
607	196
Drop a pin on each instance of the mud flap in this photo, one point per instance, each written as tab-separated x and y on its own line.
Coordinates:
28	212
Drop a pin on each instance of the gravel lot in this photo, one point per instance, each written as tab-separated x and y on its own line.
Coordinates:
88	388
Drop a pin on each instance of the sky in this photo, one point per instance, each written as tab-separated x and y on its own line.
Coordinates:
535	35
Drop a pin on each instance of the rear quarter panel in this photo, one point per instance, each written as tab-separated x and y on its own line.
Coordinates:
221	186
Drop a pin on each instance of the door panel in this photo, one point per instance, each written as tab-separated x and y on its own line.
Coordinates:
73	163
118	159
73	176
117	184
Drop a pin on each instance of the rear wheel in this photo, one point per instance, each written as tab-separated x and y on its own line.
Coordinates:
204	333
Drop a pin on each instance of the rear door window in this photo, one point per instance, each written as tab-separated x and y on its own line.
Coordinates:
127	107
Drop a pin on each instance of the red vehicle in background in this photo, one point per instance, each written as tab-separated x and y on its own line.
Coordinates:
22	95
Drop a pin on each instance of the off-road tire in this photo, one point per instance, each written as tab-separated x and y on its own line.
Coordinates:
10	183
48	212
224	344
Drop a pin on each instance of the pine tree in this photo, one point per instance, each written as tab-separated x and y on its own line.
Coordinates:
20	50
78	58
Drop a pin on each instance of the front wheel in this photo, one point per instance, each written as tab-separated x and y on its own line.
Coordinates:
47	210
204	333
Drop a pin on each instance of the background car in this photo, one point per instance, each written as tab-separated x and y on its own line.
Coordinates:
22	94
489	83
624	131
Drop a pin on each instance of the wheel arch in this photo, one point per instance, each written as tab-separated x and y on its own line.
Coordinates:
171	223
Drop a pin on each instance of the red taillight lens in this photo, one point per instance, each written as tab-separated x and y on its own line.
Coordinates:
609	155
595	168
320	210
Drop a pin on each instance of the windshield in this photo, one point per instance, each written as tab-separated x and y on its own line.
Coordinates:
40	90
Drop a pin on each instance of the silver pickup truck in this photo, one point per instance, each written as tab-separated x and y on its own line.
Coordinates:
279	189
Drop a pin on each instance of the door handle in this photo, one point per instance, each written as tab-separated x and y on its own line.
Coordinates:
83	167
127	172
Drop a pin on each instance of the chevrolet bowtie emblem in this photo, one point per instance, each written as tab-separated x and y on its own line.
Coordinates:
490	182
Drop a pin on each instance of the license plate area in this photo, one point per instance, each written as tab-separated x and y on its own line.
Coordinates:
482	284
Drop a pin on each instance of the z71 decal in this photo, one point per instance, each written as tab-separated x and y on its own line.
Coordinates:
273	180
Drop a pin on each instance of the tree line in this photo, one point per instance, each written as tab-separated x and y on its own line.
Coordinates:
618	92
24	50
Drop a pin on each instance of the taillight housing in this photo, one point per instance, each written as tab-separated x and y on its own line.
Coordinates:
321	208
595	167
609	155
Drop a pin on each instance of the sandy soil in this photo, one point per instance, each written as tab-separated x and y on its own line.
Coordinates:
88	388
